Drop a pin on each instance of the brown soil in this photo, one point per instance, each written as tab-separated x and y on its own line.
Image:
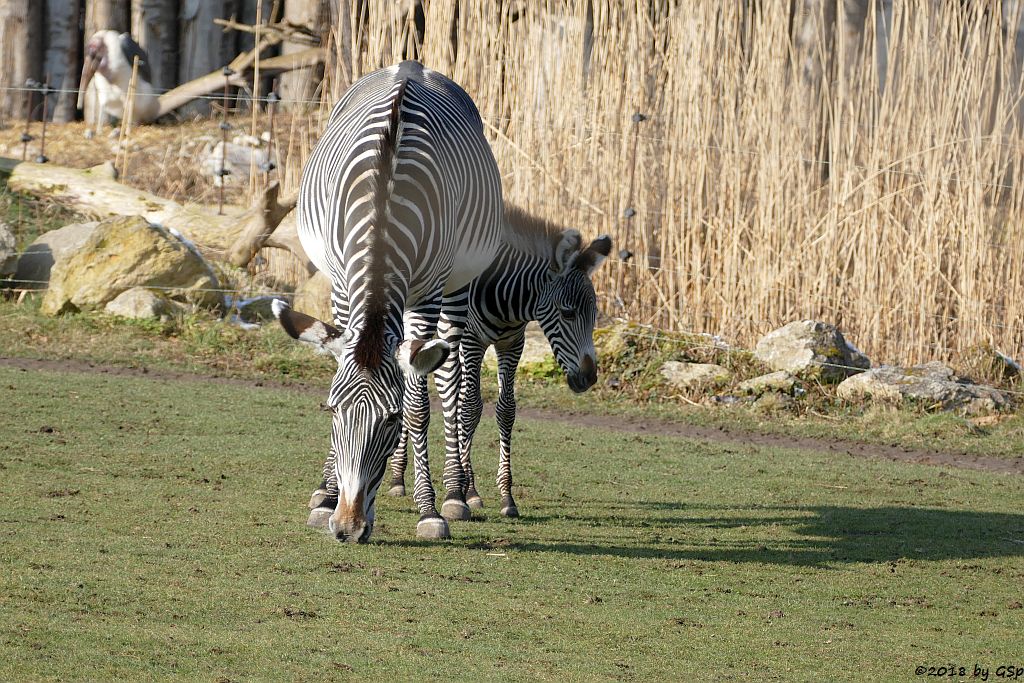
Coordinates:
631	425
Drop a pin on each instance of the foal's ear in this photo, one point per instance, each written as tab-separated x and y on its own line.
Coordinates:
307	329
417	357
594	255
566	249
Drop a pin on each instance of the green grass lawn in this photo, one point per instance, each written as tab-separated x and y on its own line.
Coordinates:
154	529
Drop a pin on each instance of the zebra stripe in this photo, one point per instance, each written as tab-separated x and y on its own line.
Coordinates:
400	204
541	273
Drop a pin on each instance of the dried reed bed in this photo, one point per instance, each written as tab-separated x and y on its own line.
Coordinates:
763	193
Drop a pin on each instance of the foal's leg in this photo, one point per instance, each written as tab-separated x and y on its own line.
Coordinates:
399	460
471	407
505	412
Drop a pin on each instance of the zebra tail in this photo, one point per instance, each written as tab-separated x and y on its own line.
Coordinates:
369	349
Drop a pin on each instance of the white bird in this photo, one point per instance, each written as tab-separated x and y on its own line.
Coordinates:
107	73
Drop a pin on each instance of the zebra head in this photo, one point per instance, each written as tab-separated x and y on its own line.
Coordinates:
366	403
567	308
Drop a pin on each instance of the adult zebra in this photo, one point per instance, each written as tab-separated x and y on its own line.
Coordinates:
400	205
541	273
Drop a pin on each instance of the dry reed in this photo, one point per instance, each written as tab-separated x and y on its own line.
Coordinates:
774	177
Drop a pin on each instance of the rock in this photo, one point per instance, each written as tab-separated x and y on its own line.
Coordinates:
49	248
139	303
772	402
931	385
614	341
313	297
126	252
776	382
811	348
237	159
8	252
689	375
256	310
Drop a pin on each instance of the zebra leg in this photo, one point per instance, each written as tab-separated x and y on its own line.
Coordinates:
450	328
471	407
416	416
421	323
505	411
399	460
325	498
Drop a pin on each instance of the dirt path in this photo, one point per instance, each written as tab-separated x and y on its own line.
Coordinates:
620	423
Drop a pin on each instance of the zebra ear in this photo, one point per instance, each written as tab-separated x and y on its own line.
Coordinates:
417	357
307	329
566	250
594	255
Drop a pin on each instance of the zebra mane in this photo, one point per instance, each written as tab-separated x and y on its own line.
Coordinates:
369	350
530	234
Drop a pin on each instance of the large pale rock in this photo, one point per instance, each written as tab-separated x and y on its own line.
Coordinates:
932	386
690	375
139	303
313	297
8	252
51	247
780	382
126	252
811	348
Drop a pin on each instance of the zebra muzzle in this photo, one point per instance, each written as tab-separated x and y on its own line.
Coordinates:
348	523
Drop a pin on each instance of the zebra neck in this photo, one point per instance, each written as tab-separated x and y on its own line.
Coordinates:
515	292
377	321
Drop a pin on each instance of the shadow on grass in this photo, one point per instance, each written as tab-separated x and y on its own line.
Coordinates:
815	536
830	535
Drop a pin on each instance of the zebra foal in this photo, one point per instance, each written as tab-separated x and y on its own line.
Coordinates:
541	273
400	205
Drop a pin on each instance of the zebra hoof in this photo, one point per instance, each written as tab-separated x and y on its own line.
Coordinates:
510	511
319	518
455	510
397	490
475	502
433	528
320	498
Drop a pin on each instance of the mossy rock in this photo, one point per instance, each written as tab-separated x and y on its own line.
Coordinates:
126	252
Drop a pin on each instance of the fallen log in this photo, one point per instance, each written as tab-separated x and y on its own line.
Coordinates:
242	71
95	192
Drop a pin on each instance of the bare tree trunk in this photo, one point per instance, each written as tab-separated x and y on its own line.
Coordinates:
21	54
63	49
204	46
299	87
155	28
343	14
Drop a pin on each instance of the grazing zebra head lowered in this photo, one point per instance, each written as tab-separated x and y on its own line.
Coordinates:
563	300
357	398
400	205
